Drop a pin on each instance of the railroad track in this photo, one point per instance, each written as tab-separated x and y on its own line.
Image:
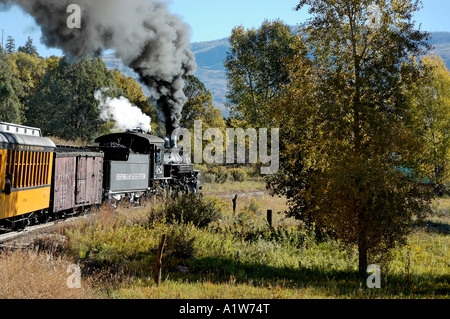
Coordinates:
10	236
23	238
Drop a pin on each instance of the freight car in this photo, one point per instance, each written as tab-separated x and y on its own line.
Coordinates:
41	181
76	180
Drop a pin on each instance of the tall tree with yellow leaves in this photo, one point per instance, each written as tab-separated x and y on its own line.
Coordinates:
430	99
348	133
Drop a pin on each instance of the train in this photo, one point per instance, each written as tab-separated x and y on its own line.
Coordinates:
41	181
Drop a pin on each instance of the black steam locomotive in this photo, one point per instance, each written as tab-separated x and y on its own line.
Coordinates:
40	181
139	165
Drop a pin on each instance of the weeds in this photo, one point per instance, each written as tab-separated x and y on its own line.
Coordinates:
237	256
33	275
191	208
243	248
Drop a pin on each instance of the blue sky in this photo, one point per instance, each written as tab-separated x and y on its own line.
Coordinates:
214	19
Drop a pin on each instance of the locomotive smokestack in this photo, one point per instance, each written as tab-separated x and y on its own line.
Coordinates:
144	34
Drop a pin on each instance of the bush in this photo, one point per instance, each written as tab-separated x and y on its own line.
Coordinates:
190	208
238	174
217	174
254	207
246	219
209	178
441	207
220	174
180	241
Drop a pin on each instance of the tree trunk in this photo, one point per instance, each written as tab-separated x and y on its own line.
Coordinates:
362	247
439	187
362	262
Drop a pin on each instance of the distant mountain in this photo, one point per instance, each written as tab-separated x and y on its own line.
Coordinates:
211	55
441	43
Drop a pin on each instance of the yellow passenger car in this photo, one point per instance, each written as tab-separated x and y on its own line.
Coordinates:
26	161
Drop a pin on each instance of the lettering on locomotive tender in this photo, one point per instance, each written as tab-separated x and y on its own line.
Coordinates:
130	177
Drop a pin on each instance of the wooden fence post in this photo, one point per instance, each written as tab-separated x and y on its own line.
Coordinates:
235	203
159	260
269	217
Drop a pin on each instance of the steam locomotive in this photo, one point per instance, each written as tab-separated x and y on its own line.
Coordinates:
40	181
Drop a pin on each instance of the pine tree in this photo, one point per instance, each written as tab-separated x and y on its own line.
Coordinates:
29	48
10	45
65	105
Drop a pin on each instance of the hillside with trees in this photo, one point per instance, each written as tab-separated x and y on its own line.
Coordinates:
57	94
211	55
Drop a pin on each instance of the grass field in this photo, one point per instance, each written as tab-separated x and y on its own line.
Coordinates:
236	257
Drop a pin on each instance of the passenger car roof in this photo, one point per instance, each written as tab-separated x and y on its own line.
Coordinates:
11	140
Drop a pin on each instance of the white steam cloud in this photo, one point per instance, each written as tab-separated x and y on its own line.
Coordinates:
125	115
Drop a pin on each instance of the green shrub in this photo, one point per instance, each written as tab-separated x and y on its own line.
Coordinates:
441	207
219	173
190	208
180	241
246	219
238	174
254	207
209	178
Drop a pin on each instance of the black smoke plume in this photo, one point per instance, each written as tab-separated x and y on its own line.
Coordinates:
143	33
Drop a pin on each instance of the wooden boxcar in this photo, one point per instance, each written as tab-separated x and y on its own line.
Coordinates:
77	179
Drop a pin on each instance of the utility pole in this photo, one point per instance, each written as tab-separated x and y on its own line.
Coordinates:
3	32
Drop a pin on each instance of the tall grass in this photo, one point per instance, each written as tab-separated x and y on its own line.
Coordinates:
33	275
239	256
